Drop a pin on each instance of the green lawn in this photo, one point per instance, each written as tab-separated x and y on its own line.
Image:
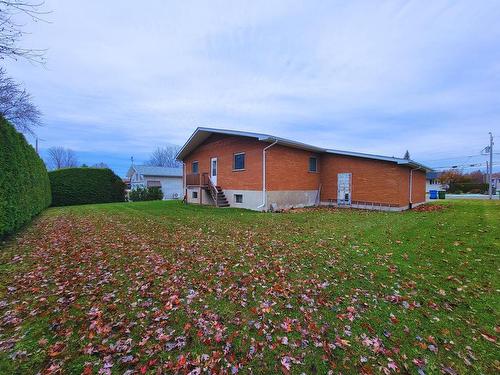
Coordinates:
162	287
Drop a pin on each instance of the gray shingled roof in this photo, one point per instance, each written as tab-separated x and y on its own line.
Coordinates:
147	170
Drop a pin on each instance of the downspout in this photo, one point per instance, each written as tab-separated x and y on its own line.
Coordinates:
184	181
410	198
264	198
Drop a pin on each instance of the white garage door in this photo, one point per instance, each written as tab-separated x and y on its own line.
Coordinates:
172	188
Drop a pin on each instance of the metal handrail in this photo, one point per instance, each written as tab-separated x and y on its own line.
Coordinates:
213	191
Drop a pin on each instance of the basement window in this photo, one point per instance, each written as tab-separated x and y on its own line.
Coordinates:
239	161
194	194
194	167
313	164
238	198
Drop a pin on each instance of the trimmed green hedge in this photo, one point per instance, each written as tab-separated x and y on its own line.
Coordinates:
24	183
72	186
467	187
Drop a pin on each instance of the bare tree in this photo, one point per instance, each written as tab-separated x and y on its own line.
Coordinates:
11	31
101	165
16	105
60	157
165	157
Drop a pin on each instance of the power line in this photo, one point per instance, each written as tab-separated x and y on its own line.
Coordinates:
453	157
456	166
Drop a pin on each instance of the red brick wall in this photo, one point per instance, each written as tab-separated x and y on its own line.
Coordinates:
223	147
288	169
372	180
418	192
418	189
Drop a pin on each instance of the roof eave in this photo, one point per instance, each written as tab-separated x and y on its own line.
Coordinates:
180	155
186	150
416	165
285	142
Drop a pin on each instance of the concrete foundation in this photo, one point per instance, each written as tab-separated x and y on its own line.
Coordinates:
292	198
203	197
374	207
252	199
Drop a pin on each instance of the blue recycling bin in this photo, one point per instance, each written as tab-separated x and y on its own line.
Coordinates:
433	194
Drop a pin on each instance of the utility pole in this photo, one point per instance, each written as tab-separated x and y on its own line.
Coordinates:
490	188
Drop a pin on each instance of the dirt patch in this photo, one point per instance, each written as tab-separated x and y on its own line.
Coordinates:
310	209
429	208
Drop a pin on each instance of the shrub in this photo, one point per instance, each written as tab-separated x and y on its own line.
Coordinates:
155	193
24	184
467	187
145	194
72	186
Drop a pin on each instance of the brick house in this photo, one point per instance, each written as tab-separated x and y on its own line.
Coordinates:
262	172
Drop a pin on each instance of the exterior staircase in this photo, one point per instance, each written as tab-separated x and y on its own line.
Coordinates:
220	198
217	194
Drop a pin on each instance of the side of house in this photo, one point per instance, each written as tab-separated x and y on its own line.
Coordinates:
236	164
292	177
168	179
261	172
370	183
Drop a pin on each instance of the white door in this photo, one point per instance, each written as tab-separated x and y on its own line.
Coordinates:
344	189
213	171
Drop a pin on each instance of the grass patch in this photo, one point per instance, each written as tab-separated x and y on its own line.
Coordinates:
160	286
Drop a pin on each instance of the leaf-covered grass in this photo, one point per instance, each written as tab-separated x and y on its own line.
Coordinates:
154	287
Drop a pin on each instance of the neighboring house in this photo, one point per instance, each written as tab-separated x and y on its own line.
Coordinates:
168	179
432	182
262	172
495	178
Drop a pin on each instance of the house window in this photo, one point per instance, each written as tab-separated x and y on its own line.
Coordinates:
239	161
154	184
313	164
194	167
194	194
238	198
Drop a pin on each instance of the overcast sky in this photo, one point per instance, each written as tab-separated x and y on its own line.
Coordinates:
123	77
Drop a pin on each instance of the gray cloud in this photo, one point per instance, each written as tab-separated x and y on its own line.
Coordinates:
377	77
